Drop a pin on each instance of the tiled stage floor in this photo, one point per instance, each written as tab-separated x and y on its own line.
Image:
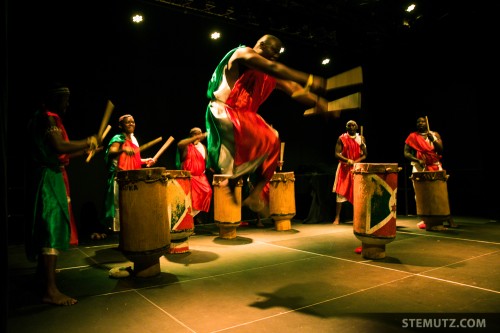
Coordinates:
306	279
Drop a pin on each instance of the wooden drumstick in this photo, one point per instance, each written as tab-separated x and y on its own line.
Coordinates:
150	143
163	148
282	152
361	130
106	131
105	118
103	127
427	123
92	152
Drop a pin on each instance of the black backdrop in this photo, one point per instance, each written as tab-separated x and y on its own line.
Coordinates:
159	72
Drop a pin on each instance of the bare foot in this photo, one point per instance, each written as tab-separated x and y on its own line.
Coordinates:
336	222
59	298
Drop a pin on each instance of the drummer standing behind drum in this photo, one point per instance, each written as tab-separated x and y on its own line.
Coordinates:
122	154
424	148
191	156
350	149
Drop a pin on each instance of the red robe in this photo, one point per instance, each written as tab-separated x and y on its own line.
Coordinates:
424	151
201	191
254	138
344	179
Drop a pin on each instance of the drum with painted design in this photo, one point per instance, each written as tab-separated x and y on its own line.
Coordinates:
179	208
227	205
374	205
431	194
144	232
282	199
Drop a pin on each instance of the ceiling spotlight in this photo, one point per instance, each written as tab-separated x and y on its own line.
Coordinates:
215	35
137	18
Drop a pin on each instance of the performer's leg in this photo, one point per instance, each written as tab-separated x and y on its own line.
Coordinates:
338	207
254	201
51	294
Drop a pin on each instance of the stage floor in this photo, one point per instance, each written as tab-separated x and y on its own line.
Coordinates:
306	279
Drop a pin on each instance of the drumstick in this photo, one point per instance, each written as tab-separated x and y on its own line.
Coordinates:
103	128
282	152
361	131
163	148
150	143
427	123
92	152
106	131
105	118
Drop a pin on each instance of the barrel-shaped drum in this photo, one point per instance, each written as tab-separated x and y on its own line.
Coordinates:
374	204
227	204
282	199
431	194
144	232
179	208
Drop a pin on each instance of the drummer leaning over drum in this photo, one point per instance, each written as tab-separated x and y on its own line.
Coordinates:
424	148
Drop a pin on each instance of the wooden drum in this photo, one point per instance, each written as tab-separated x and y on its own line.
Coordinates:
375	191
227	206
144	233
431	194
282	199
179	208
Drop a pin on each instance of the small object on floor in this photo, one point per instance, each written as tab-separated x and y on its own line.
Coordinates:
120	272
421	225
358	250
98	236
243	224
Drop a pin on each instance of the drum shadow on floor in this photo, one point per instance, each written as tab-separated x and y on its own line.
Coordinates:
287	232
191	257
238	240
134	282
103	257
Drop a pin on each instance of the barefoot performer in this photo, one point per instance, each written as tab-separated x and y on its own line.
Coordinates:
53	228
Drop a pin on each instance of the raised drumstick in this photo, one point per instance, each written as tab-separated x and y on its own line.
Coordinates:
150	144
106	131
282	152
104	123
163	148
105	118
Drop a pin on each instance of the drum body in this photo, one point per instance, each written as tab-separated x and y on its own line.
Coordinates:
375	192
227	205
179	209
282	199
144	232
431	195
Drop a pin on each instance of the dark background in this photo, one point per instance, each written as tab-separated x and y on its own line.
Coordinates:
158	72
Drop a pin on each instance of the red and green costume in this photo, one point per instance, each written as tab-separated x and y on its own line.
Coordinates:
253	145
53	224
